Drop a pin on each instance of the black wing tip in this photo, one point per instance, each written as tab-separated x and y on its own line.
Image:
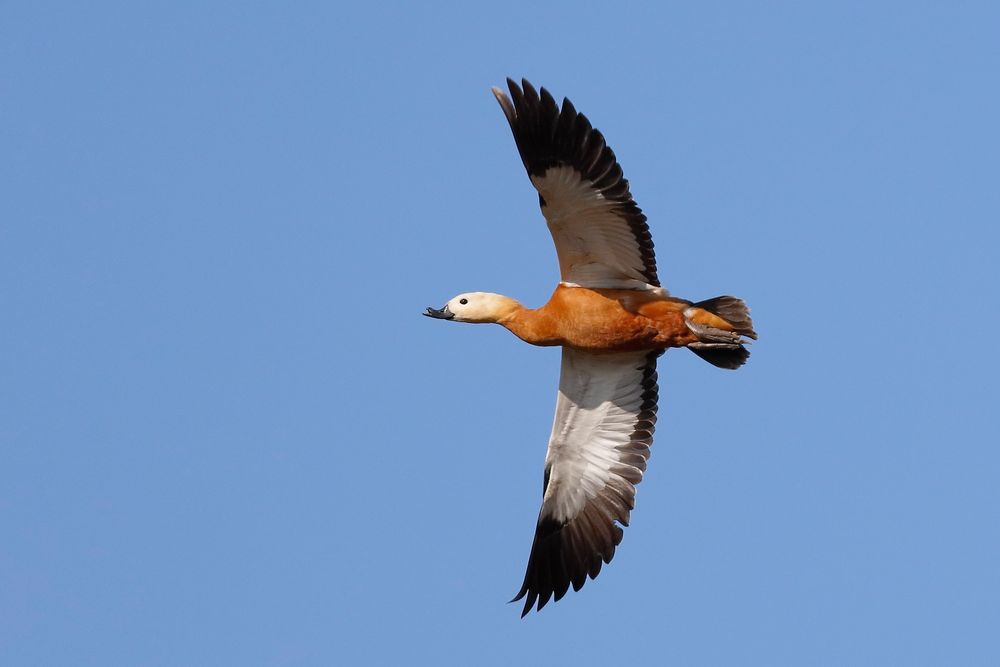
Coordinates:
547	134
533	602
528	90
528	604
553	567
536	598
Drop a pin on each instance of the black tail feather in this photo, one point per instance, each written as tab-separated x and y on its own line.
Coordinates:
732	310
723	348
729	356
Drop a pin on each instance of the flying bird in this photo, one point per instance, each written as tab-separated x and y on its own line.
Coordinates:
612	319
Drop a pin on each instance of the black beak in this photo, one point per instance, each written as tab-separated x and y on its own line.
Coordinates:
443	314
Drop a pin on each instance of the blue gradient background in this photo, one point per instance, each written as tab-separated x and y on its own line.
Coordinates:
228	437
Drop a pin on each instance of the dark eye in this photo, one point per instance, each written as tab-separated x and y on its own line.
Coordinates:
463	301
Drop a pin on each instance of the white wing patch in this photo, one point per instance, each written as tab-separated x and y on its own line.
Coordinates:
600	398
594	244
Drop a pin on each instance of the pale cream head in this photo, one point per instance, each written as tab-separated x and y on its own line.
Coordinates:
476	307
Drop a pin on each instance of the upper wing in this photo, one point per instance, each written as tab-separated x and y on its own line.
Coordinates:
605	417
601	236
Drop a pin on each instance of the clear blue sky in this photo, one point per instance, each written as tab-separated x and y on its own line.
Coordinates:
227	436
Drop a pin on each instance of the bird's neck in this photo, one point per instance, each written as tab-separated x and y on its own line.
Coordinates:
534	326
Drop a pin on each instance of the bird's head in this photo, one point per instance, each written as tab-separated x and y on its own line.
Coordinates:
475	307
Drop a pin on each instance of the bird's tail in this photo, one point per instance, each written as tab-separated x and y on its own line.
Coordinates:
722	325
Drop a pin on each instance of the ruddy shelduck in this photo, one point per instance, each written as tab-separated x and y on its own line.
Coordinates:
612	319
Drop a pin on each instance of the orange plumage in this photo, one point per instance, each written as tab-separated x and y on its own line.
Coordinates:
608	320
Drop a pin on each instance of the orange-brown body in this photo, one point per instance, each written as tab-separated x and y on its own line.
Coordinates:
609	320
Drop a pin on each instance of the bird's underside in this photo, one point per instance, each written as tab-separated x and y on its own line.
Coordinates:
614	320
